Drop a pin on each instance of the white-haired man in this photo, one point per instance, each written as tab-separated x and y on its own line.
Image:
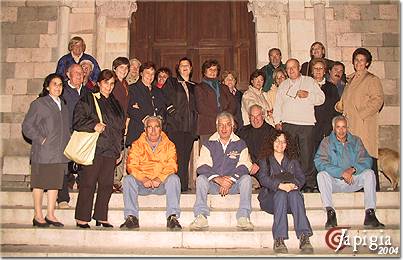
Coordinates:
223	168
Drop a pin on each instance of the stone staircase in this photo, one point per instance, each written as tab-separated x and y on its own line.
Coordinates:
20	239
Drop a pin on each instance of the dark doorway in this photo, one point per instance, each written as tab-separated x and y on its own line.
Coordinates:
164	32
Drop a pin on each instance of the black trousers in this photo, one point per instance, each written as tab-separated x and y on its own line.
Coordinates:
303	137
100	172
183	143
375	169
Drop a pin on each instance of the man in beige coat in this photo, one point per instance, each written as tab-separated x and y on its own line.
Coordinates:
361	102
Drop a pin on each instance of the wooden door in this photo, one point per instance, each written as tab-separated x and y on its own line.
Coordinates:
164	32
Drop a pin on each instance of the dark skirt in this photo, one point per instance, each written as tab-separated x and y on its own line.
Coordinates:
48	176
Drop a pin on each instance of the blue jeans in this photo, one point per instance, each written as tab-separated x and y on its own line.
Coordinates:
133	187
243	186
328	184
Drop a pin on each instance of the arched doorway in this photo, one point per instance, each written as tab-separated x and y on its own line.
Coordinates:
164	32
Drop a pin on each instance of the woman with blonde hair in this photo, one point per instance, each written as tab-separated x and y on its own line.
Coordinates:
76	54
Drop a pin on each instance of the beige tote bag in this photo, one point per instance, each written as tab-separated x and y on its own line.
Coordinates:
81	147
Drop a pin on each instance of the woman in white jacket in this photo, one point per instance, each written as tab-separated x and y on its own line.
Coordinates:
255	95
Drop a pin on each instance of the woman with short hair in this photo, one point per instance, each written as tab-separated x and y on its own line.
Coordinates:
361	103
47	124
76	54
255	95
107	152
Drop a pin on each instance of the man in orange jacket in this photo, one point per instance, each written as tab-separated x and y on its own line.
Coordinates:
152	168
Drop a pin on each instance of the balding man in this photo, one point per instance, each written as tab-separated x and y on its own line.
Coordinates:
294	113
73	90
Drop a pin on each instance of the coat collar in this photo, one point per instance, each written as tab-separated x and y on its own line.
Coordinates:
216	137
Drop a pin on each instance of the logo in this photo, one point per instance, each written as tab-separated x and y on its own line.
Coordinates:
334	238
337	239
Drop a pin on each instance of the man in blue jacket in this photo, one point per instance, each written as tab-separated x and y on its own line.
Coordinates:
223	168
344	165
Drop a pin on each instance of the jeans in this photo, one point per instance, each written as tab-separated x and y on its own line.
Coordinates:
243	186
133	187
328	184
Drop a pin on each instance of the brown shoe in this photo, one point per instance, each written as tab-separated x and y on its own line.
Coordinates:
117	188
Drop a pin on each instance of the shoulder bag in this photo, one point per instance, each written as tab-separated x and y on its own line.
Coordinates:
81	147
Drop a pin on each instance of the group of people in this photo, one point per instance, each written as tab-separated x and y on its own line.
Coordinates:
288	130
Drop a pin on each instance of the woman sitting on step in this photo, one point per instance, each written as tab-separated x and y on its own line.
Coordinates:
280	193
47	125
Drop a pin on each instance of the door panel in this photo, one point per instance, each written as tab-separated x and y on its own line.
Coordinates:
164	32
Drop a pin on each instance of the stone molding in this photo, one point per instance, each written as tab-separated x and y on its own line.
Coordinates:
316	2
116	8
67	3
264	8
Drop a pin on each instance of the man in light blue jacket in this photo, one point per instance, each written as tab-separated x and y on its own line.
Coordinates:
344	165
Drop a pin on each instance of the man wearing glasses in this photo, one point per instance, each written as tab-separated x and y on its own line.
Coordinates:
294	113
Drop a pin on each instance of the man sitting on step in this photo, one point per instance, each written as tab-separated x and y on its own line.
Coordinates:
223	168
152	168
344	165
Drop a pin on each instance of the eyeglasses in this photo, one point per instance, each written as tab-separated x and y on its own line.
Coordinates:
290	93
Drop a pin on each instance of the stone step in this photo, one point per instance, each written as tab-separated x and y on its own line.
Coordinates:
76	251
160	238
155	217
312	200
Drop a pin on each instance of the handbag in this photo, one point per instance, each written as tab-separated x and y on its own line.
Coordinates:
285	177
81	146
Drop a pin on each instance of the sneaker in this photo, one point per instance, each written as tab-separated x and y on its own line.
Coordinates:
279	246
371	221
331	219
305	245
199	223
173	223
64	205
131	222
244	224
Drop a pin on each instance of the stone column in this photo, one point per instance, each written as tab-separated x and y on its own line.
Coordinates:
109	9
270	17
63	27
320	21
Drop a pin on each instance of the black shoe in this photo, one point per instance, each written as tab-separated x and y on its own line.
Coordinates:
279	247
104	224
371	221
36	223
173	223
54	223
83	225
131	222
305	245
331	219
308	189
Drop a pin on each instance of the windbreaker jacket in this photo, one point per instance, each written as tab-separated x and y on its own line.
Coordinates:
334	157
214	162
143	162
181	111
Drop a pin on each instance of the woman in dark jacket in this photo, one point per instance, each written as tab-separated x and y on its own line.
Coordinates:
280	192
47	124
212	98
181	116
144	100
325	112
107	152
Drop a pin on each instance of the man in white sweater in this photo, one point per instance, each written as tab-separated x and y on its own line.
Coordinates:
294	112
